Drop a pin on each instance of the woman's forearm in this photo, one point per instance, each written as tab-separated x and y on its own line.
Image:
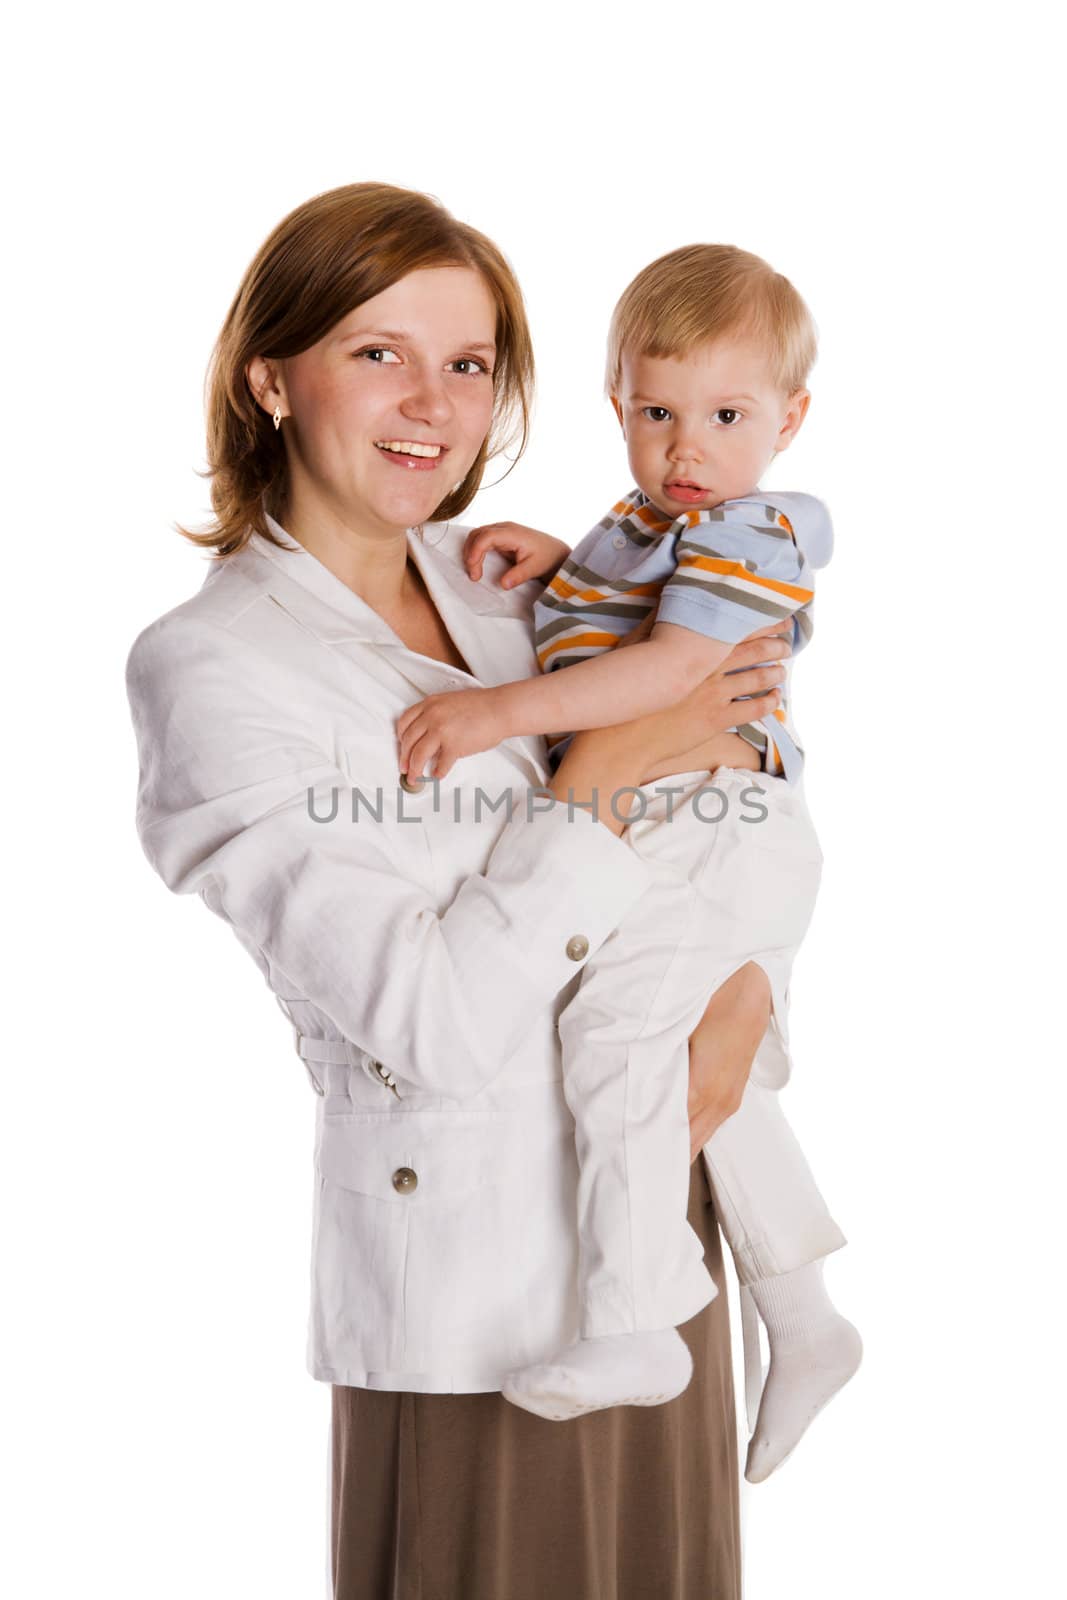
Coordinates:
604	761
599	764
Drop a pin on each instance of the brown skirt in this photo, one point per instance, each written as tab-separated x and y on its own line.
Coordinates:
467	1497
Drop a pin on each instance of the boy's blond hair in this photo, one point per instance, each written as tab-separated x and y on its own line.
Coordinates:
703	292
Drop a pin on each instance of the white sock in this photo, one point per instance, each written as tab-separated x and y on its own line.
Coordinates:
625	1369
814	1351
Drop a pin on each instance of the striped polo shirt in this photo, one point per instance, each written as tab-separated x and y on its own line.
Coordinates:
723	573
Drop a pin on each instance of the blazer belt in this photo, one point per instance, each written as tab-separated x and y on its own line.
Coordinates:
339	1053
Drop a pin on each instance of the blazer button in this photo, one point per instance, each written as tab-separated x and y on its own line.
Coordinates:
405	1181
411	785
578	947
386	1076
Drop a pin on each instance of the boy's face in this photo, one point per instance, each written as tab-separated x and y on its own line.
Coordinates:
702	428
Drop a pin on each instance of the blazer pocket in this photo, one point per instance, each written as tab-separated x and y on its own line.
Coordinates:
420	1239
446	1153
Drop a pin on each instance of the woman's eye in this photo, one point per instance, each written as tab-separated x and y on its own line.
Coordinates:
378	354
656	413
468	366
727	416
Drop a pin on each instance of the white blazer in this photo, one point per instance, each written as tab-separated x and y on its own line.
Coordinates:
422	944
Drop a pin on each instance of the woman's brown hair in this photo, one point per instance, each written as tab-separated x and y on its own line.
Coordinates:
323	260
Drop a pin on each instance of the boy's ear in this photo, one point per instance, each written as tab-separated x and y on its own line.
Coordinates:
797	411
617	403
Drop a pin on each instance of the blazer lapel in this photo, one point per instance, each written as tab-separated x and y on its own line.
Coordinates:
492	629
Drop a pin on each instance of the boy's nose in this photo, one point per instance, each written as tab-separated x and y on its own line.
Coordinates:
684	449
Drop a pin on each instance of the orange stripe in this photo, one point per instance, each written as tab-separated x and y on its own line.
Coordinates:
734	569
608	640
773	753
650	520
566	591
560	586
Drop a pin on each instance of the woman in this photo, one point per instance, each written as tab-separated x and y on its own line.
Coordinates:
423	938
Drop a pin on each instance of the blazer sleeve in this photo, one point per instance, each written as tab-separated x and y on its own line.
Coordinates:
226	763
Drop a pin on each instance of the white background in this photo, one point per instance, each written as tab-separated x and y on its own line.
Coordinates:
161	1435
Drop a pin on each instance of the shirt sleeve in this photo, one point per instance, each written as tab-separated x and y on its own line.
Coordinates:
720	589
228	760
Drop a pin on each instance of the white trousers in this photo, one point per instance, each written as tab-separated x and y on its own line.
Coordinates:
737	867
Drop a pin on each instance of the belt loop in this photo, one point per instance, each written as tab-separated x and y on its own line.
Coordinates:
315	1084
297	1036
336	1052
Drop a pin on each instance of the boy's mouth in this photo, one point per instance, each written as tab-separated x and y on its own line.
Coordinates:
685	489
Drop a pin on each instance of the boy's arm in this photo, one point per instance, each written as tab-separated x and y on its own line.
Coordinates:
615	686
712	602
715	599
608	689
719	594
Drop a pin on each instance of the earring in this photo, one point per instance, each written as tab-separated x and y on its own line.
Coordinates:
277	417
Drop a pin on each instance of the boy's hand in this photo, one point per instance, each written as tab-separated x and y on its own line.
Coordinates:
438	730
534	554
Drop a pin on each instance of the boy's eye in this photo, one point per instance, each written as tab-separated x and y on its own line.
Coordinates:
727	416
378	354
469	366
656	413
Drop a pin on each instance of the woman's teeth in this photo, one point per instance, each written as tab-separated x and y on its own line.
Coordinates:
407	447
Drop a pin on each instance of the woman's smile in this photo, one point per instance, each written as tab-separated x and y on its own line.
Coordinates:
411	454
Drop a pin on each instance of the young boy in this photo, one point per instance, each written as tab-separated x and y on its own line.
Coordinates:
709	353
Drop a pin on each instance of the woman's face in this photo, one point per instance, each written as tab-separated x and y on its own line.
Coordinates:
386	414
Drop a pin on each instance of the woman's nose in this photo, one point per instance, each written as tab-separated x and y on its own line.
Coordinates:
427	400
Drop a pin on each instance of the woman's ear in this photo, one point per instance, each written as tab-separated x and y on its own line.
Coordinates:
267	384
796	411
618	412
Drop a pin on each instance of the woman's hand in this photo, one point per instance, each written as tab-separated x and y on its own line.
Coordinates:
533	553
688	737
722	1048
681	738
